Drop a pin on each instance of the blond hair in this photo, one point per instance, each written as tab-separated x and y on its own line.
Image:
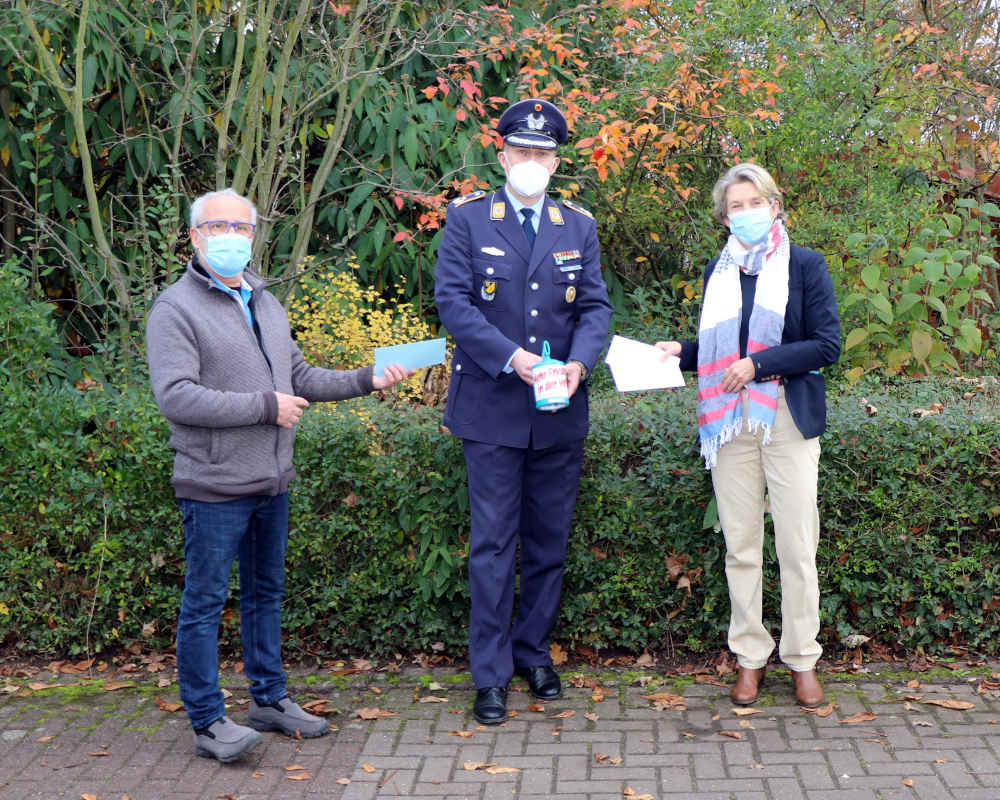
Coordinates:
750	173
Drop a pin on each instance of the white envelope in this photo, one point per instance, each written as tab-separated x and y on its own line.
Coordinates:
637	366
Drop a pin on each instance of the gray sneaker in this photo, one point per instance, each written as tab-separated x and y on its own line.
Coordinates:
224	740
288	717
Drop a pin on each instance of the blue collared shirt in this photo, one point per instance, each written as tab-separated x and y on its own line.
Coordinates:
242	296
517	205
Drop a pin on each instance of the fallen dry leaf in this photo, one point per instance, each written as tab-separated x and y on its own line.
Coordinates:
645	660
45	739
616	760
88	797
35	686
317	707
463	734
597	695
630	793
432	699
569	712
665	700
708	679
374	713
716	717
599	757
745	723
861	716
536	708
257	775
824	711
557	654
907	781
368	768
343	781
921	723
913	684
114	686
165	706
591	716
913	697
501	770
294	768
690	735
299	776
746	712
99	754
731	734
954	705
472	766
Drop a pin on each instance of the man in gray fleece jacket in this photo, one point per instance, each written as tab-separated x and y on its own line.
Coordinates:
231	381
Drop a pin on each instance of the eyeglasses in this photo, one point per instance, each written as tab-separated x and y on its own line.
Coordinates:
216	227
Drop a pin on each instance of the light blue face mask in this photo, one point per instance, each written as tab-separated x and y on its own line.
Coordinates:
227	254
751	227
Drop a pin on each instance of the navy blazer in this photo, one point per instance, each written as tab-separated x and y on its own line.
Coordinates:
496	293
809	340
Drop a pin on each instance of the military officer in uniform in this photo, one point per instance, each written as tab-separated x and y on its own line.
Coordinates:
516	269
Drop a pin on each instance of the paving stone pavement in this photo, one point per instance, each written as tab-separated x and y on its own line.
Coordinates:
83	741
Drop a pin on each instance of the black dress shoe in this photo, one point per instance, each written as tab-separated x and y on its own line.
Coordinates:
490	707
542	681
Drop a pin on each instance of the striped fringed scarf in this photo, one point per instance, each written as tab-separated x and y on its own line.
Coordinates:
720	415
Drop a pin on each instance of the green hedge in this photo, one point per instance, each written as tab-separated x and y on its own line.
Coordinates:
91	544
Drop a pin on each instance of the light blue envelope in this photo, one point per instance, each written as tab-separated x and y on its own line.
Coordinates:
412	356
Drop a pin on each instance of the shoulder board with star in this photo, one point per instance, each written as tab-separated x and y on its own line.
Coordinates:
458	202
578	209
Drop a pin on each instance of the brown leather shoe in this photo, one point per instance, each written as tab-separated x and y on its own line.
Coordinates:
746	690
808	692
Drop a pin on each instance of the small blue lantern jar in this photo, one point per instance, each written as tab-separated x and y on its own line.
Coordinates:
551	386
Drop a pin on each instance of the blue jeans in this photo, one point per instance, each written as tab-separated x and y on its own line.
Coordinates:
254	529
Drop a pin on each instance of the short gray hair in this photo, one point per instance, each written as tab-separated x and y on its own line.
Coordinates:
751	173
198	206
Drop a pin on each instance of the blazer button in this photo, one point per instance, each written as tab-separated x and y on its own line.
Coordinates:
534	287
532	339
489	270
458	368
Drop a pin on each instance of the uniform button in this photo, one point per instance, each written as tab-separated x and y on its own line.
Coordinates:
534	287
534	312
531	339
489	270
458	368
572	276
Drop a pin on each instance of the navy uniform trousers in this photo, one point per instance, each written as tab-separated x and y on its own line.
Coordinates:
496	293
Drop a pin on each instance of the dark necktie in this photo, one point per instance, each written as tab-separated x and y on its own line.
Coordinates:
529	229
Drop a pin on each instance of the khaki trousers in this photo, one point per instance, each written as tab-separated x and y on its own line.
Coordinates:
787	467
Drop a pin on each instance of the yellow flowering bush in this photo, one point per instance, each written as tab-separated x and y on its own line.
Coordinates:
338	324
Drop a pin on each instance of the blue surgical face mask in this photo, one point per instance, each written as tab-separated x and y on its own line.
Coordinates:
227	254
751	227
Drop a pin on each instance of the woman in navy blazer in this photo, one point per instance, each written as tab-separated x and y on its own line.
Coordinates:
768	323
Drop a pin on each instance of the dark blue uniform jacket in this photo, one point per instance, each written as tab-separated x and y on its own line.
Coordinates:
495	293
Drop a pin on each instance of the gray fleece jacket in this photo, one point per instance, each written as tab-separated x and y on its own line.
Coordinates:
214	381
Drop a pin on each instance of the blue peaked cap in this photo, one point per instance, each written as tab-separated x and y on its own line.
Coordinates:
533	123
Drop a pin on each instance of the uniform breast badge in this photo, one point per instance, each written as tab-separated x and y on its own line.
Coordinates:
565	256
570	294
489	290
